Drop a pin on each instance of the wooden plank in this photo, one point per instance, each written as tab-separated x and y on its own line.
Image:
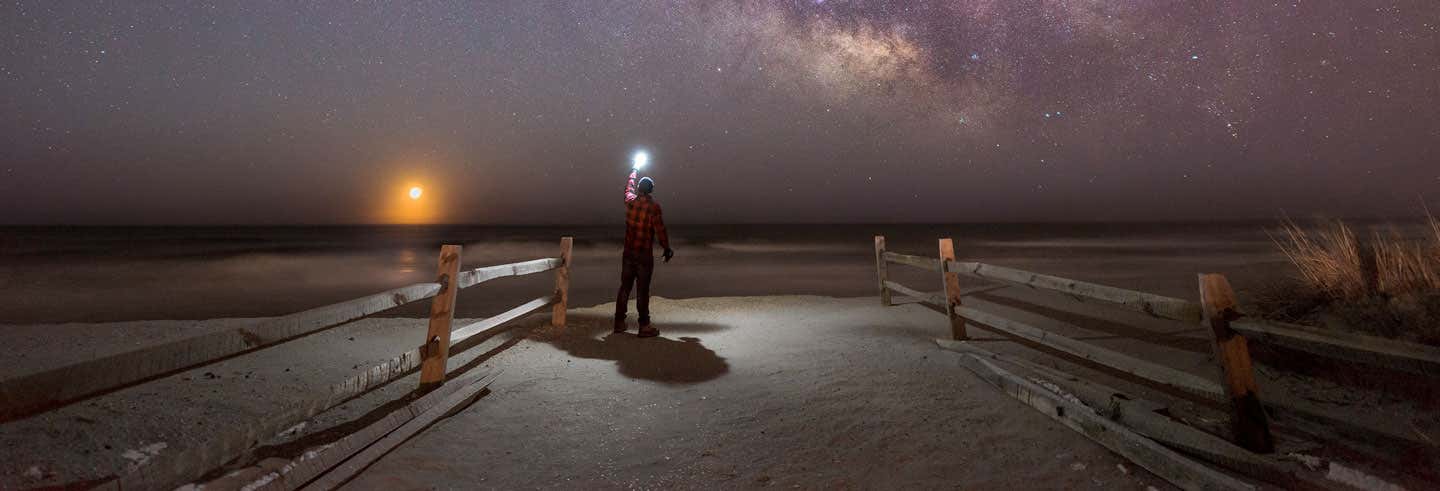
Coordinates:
480	327
1163	462
950	281
562	283
356	464
1386	353
1159	374
880	271
1140	415
405	363
312	464
480	275
27	394
1247	417
1149	303
922	262
1181	380
181	466
379	374
442	312
172	469
935	299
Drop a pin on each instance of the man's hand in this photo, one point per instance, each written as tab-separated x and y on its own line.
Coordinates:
668	254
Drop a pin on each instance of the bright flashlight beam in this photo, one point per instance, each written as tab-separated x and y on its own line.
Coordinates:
641	158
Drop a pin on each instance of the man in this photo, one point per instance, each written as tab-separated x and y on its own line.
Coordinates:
642	225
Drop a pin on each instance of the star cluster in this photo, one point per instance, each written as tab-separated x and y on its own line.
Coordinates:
851	111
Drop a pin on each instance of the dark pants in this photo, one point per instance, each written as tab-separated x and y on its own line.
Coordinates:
635	267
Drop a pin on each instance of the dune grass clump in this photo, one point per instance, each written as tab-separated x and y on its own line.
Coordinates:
1405	267
1329	260
1385	284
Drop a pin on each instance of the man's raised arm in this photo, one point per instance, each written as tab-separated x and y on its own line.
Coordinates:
630	186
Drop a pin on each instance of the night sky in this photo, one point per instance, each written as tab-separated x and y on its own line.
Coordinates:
254	111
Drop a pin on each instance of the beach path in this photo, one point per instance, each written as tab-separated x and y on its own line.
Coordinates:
748	392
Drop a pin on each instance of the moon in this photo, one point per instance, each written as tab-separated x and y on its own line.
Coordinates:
415	192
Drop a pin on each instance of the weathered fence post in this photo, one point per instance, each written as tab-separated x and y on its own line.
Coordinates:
952	288
562	283
880	269
1247	416
442	312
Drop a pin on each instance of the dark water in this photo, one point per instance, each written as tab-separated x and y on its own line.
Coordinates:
59	274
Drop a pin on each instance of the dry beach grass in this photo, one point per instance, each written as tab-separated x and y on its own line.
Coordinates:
1386	283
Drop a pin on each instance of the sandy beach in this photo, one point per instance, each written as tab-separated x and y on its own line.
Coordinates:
1131	245
738	392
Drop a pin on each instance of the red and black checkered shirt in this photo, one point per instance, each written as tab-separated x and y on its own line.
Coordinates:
642	221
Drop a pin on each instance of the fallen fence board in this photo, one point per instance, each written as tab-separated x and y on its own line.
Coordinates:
1140	416
1149	303
313	463
423	419
922	262
1388	353
1160	374
176	468
1163	462
27	394
1189	383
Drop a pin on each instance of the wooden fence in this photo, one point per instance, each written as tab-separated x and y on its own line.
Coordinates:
50	389
1217	309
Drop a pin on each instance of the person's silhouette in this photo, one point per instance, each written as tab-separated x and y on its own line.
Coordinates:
643	225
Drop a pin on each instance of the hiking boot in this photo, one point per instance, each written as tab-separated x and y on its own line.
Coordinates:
648	331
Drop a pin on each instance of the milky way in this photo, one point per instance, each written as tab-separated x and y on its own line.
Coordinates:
848	111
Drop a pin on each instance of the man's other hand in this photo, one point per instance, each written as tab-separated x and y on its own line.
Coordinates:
668	254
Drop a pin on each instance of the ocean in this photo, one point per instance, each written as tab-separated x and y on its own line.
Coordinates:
99	274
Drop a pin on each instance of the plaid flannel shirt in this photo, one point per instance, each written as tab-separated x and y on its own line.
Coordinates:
642	221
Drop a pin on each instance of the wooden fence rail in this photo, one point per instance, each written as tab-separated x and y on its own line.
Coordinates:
1149	303
1114	360
921	262
171	470
1074	413
28	394
1387	353
1370	350
1218	310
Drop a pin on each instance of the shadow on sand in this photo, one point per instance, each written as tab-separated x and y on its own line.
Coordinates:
679	360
